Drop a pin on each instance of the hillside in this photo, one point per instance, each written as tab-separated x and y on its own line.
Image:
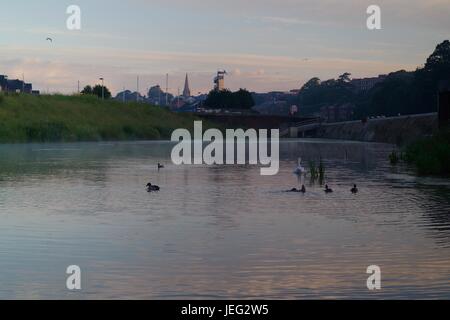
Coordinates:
58	118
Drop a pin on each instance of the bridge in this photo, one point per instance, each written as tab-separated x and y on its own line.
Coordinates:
300	129
256	121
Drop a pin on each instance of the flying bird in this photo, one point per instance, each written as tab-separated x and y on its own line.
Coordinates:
49	39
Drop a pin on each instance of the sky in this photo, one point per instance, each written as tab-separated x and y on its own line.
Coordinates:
265	45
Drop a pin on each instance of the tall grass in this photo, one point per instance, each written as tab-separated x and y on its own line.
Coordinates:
321	171
394	158
58	118
431	156
317	172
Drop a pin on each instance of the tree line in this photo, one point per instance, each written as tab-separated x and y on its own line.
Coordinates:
401	92
97	90
225	99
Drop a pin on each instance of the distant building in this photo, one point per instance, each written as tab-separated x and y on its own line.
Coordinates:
158	97
177	103
3	83
17	86
219	81
365	84
187	90
337	113
128	96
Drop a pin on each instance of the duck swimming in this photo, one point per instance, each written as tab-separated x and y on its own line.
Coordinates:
354	190
151	188
328	189
302	190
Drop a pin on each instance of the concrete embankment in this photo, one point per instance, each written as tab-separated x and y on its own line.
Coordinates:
396	130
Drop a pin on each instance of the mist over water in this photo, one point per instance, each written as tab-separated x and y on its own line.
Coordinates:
218	231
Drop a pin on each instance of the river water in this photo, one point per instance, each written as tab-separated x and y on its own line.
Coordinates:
221	231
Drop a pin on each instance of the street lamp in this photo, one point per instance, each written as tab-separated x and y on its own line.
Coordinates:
103	88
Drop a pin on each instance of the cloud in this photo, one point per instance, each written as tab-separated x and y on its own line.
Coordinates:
263	42
283	21
60	69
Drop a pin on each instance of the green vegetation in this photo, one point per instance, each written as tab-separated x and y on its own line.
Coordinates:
313	172
394	158
400	92
58	118
226	99
97	90
431	156
321	171
317	171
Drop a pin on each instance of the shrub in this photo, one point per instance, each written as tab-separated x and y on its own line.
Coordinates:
431	156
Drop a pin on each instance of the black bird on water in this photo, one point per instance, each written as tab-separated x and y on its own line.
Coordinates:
160	166
302	190
354	189
151	188
328	189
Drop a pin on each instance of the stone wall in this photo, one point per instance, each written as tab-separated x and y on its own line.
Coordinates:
395	130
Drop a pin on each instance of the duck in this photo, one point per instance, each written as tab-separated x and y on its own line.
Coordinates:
151	188
354	190
160	166
328	189
300	170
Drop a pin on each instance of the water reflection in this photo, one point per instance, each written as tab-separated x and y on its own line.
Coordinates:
218	231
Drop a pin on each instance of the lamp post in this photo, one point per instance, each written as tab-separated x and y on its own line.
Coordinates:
103	88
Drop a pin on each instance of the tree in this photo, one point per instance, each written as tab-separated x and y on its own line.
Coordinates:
225	99
98	91
400	92
244	99
427	79
315	94
345	78
87	90
311	84
220	99
438	64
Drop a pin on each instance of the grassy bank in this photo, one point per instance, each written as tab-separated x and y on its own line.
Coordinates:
58	118
431	156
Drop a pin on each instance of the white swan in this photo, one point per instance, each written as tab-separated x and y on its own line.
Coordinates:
300	170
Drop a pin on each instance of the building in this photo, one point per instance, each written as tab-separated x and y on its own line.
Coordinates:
187	90
365	84
3	83
128	96
219	81
337	113
16	86
157	96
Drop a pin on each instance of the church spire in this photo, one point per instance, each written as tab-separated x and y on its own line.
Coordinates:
187	90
